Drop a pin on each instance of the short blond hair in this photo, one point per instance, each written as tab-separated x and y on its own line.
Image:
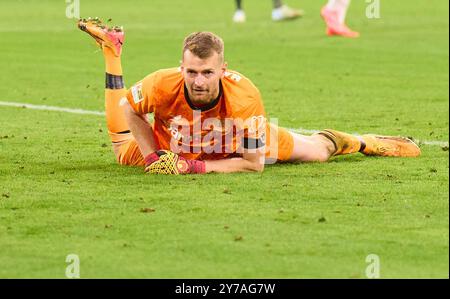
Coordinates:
204	44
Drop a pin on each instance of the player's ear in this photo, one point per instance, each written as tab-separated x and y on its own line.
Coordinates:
224	68
181	68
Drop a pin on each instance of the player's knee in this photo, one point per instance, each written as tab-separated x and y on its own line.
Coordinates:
258	167
125	162
116	150
119	155
120	161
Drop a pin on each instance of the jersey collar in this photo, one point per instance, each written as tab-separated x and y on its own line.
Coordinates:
205	107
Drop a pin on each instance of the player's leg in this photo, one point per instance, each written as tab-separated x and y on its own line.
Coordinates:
340	7
277	3
328	143
282	12
111	40
334	13
238	4
313	148
322	146
239	14
124	145
286	146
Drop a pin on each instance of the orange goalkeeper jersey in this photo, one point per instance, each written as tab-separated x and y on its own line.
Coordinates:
234	121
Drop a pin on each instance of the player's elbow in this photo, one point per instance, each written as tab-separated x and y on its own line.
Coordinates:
254	162
256	166
259	168
127	109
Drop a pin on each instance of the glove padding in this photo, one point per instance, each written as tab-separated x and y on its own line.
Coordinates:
171	163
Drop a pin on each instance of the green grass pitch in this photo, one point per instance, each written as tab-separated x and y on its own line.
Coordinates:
62	193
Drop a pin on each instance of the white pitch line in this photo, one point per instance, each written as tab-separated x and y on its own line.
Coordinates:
102	113
435	143
51	108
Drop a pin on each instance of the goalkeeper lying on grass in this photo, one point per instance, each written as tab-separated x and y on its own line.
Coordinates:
208	118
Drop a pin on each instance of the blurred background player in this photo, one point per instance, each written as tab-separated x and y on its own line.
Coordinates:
333	13
280	12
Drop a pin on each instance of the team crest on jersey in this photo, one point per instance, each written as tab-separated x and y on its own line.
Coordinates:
136	91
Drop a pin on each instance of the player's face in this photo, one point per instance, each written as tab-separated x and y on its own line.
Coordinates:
202	76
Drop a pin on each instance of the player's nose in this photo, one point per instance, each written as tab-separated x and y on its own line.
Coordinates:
199	80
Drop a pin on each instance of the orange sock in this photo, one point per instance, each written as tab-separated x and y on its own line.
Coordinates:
343	142
113	64
114	92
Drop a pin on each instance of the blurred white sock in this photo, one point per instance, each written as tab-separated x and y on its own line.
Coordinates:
277	14
239	16
285	12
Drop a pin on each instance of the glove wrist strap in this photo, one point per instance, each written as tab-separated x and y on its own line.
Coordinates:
150	158
197	166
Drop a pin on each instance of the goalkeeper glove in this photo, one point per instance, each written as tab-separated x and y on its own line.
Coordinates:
151	158
171	163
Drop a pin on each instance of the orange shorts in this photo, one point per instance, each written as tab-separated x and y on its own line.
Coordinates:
280	145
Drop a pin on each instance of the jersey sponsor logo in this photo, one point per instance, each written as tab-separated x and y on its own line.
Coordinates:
215	135
136	91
